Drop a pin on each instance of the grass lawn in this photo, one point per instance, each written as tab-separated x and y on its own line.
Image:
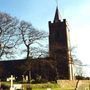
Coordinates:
45	89
53	86
43	86
51	89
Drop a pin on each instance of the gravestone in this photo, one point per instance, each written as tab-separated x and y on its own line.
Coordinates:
26	78
23	78
18	87
11	79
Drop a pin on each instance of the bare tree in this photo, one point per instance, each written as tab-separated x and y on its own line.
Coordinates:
8	38
30	37
79	69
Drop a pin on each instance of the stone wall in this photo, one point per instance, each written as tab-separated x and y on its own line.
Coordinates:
71	84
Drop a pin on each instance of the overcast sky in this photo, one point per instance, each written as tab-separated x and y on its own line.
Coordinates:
39	12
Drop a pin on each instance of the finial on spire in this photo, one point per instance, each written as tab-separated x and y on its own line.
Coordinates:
56	18
56	2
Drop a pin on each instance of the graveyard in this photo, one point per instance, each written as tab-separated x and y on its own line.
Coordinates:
10	84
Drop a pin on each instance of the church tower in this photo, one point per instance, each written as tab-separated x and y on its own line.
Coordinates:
58	45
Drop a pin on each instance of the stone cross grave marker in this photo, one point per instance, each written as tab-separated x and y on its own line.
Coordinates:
11	79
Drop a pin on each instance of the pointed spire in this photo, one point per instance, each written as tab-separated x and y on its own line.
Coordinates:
56	18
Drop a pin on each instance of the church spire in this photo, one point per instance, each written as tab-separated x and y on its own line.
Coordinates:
56	18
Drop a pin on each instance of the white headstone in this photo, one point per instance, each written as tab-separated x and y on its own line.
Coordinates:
23	78
26	78
11	79
18	86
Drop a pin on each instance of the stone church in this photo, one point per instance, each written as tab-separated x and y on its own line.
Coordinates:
58	56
